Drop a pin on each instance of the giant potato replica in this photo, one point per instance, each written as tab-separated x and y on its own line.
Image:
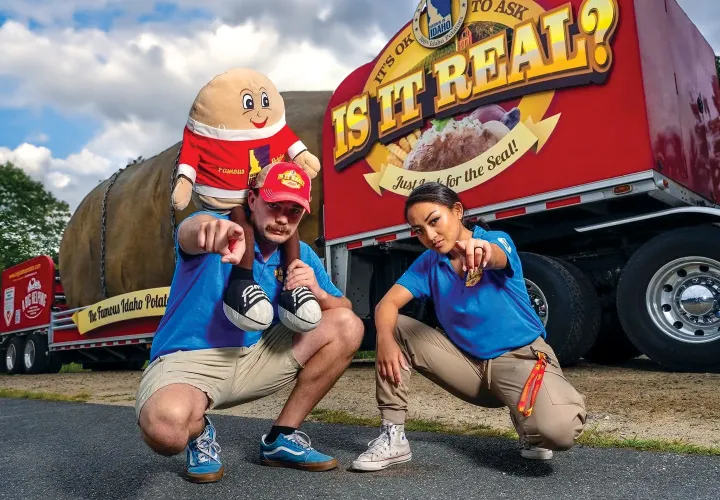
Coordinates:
120	238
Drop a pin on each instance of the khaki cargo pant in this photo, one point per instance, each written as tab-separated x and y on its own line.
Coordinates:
558	415
229	376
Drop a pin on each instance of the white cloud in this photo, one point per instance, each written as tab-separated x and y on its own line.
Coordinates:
58	180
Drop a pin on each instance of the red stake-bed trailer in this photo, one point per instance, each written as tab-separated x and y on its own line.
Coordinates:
604	169
38	333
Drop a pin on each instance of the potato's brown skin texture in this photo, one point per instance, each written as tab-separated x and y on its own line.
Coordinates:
138	238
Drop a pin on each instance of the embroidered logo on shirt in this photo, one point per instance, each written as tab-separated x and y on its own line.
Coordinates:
291	179
504	243
279	274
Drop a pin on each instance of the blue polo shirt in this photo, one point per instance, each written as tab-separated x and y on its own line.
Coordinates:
488	319
194	317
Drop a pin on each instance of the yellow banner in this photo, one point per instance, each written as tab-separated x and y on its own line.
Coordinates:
140	304
473	172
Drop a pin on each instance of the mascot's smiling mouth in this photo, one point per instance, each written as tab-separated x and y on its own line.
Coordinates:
261	124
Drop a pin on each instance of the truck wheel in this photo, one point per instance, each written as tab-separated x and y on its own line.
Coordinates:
612	346
563	307
14	355
35	354
668	299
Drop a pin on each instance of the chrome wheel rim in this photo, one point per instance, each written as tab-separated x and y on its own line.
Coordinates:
10	356
683	300
537	301
29	354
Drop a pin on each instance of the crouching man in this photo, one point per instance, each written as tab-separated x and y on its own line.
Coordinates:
201	361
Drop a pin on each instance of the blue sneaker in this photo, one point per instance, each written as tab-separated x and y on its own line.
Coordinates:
294	451
203	457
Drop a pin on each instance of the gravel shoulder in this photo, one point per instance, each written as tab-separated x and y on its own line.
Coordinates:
635	400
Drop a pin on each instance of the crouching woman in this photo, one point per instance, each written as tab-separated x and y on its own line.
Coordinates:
493	347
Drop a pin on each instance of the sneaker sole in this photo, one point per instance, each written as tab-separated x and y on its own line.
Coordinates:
243	322
294	323
206	478
537	455
376	466
312	467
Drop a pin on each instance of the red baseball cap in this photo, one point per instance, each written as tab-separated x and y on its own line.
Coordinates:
286	181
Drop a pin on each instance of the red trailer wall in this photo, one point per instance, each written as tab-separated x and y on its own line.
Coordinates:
678	68
27	294
602	133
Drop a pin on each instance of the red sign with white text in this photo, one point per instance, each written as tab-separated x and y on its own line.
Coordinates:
27	294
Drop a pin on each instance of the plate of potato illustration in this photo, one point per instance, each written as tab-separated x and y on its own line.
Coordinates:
450	142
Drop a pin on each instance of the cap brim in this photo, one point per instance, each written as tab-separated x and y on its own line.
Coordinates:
271	197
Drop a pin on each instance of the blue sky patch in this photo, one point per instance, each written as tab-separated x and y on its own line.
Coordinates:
97	19
66	135
164	12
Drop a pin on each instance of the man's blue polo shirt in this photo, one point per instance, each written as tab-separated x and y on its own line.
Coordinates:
194	317
488	319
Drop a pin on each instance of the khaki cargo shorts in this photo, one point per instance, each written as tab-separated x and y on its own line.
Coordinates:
229	376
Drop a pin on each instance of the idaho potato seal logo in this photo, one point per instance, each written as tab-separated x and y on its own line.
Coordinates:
473	277
439	19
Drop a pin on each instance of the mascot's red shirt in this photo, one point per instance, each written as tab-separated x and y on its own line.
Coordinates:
222	163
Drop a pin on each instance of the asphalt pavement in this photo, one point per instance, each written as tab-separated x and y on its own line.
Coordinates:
60	451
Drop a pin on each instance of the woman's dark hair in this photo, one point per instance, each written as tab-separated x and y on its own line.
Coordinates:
434	192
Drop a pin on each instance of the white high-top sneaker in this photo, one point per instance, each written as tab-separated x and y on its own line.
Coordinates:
390	448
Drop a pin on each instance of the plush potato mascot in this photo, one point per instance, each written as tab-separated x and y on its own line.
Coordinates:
236	128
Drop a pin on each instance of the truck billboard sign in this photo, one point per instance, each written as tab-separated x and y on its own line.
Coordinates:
466	91
27	294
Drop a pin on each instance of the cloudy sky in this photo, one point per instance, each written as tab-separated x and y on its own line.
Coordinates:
85	85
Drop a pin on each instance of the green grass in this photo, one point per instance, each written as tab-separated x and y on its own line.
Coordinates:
591	437
47	396
365	355
72	368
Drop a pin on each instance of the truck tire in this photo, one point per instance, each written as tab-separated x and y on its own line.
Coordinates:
562	305
591	302
612	346
36	358
668	299
14	356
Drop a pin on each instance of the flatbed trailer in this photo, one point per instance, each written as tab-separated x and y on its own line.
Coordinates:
38	333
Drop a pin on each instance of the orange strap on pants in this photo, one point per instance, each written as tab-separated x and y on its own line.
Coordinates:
534	381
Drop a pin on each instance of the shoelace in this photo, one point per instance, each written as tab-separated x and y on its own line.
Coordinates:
252	294
382	441
208	448
301	294
300	438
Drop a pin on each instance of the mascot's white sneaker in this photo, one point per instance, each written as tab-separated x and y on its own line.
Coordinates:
390	448
299	310
247	306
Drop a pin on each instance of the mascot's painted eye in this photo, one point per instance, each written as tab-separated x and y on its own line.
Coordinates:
265	100
248	102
